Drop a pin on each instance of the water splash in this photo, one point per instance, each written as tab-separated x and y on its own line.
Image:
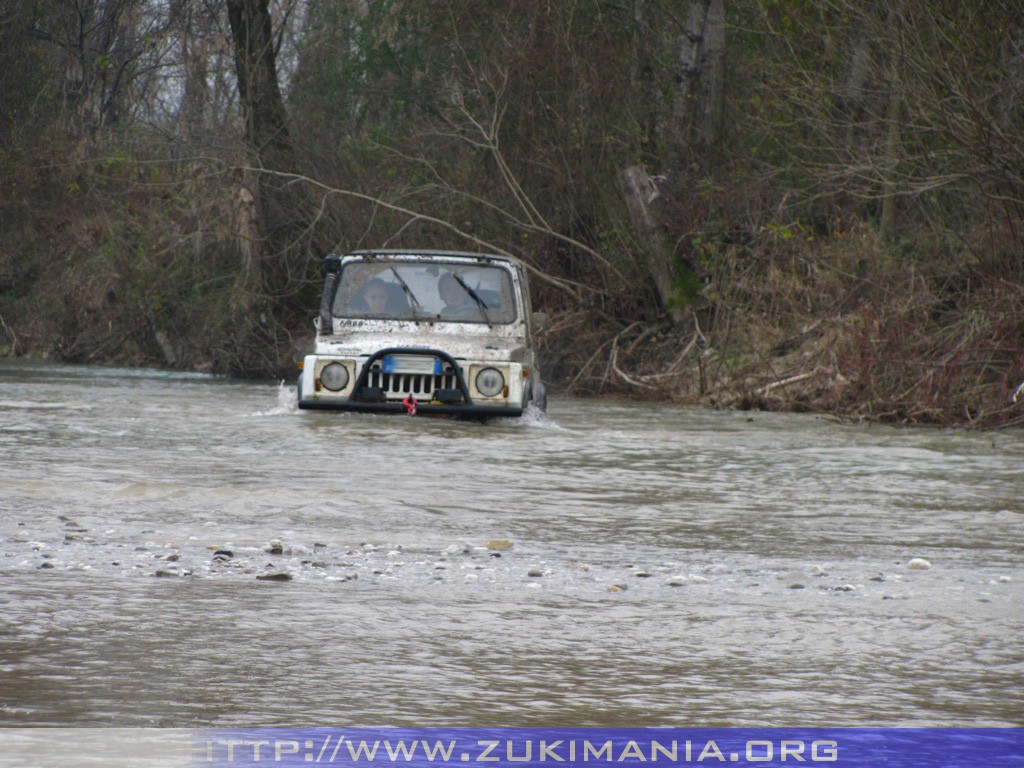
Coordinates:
287	402
533	417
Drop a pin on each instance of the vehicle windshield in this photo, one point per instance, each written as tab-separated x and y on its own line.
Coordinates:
425	290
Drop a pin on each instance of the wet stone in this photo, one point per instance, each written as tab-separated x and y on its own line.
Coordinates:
280	576
535	573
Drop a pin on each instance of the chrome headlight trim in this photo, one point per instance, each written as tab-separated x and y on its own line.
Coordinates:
489	382
334	376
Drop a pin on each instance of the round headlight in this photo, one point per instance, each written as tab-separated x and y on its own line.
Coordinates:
334	376
489	382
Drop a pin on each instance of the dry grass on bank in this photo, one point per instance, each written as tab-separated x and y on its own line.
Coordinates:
860	338
114	272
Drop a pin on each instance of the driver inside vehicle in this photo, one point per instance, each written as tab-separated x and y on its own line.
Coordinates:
372	298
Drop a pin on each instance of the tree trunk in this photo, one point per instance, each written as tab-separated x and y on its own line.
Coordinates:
698	105
195	95
643	81
279	205
712	79
891	159
266	122
639	191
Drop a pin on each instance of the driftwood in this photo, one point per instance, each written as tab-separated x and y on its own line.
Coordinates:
791	380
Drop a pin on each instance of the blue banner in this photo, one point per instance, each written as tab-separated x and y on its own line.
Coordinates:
612	748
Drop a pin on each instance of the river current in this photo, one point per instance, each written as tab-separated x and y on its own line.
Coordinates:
182	550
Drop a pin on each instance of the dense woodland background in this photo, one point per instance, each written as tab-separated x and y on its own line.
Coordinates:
808	204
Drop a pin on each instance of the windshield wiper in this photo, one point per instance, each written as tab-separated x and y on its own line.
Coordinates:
408	292
473	295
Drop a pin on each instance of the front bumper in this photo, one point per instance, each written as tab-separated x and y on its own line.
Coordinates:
410	380
419	409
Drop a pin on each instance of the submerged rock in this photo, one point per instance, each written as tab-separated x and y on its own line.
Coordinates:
496	545
279	576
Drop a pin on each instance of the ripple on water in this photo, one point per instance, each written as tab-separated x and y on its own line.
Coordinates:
689	567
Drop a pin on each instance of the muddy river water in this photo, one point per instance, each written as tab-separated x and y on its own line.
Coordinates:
180	550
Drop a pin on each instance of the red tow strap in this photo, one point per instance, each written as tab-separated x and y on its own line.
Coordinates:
410	405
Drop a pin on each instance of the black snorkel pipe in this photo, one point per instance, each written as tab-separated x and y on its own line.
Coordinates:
332	265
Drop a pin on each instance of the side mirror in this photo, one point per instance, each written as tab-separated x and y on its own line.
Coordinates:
539	321
300	349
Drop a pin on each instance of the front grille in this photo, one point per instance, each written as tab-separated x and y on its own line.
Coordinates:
400	385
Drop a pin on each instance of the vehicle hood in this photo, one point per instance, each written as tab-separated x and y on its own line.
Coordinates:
479	346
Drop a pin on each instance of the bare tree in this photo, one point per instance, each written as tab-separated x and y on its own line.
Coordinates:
106	53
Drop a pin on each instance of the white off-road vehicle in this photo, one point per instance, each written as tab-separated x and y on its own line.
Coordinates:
424	332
